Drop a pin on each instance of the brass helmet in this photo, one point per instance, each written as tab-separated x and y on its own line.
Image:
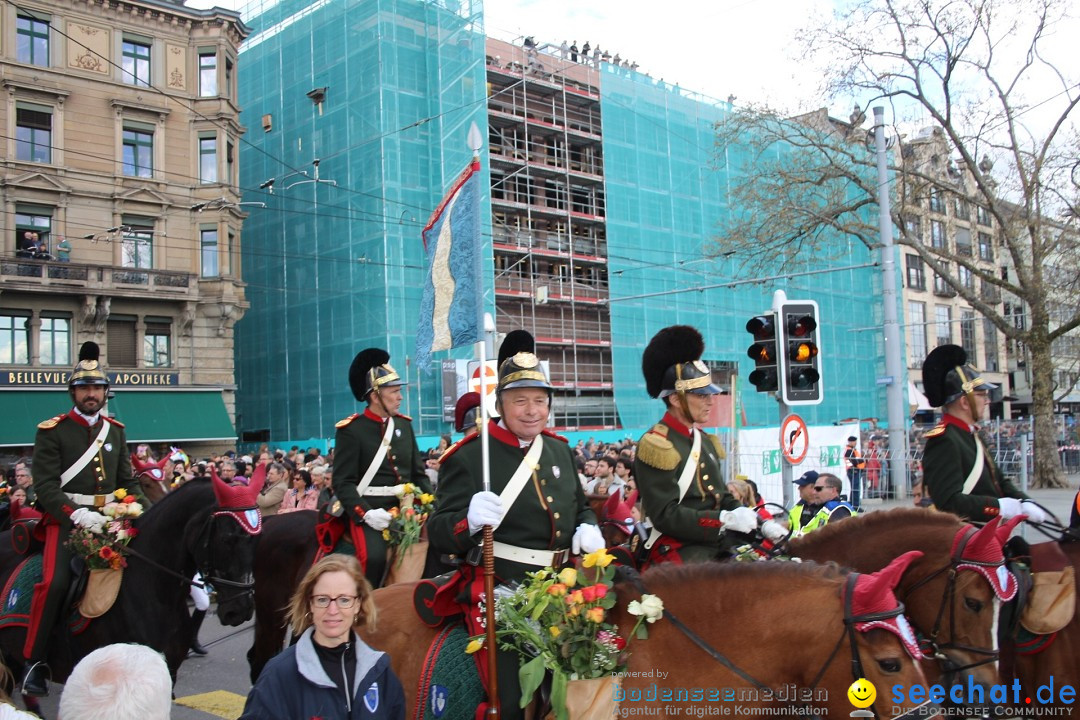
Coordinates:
672	364
371	370
88	371
518	364
947	375
467	412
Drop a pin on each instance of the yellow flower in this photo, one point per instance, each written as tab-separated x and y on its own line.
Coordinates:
558	590
595	614
427	499
386	535
575	598
600	558
568	576
408	489
554	631
474	645
120	494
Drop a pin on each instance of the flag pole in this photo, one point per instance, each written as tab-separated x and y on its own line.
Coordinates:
493	710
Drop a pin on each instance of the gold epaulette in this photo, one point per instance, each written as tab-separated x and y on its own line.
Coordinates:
50	423
937	430
114	421
342	423
454	448
718	445
404	417
657	451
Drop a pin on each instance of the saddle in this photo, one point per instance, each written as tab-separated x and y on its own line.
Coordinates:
1051	603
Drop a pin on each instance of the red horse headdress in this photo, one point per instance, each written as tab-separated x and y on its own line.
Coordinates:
981	550
874	594
239	500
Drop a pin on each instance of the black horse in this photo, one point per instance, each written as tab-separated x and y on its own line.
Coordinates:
204	525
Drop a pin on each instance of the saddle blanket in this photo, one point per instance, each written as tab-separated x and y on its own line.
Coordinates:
449	687
18	593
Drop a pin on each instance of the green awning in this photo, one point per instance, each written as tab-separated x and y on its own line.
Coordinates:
148	415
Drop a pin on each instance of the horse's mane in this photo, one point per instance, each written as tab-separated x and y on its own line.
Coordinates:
177	496
874	523
672	574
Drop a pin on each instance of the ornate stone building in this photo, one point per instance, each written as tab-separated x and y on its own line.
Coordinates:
121	220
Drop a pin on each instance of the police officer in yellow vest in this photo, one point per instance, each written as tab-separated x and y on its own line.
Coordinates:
80	459
830	507
375	453
677	466
807	507
958	472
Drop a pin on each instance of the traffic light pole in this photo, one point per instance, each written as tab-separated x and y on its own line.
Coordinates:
893	346
787	475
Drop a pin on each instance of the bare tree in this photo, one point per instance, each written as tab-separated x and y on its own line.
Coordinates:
999	90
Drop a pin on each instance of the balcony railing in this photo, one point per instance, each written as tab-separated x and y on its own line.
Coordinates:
53	276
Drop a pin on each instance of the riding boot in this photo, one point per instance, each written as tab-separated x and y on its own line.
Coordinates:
196	622
36	680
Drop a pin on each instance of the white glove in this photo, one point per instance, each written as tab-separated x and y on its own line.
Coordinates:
1009	507
87	518
773	530
377	519
587	539
485	508
1034	512
741	519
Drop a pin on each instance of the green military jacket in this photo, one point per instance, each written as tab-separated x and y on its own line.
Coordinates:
59	443
695	521
355	445
544	516
948	459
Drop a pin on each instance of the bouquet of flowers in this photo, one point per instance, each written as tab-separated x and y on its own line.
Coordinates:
408	519
103	551
557	622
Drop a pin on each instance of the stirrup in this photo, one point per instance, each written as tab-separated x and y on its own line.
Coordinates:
36	680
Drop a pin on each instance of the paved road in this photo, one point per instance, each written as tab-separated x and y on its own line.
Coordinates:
214	687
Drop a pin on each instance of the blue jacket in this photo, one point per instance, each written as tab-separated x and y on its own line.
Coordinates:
294	686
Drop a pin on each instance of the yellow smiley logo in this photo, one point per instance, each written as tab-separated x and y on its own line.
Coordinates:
862	693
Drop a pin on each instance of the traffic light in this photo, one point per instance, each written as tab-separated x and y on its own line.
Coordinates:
763	352
800	366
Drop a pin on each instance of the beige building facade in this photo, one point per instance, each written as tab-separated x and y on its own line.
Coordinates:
121	221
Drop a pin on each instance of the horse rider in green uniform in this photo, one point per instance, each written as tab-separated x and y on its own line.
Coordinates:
80	460
536	505
375	454
958	471
677	466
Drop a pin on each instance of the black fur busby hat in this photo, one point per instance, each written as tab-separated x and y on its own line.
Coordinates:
371	369
88	371
947	375
518	364
672	363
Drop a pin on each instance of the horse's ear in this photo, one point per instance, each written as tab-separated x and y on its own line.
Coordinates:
258	479
874	591
1004	531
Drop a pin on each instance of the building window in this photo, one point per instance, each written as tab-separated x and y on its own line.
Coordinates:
990	345
14	340
982	216
33	133
137	250
32	226
960	209
208	159
963	242
913	227
936	205
230	165
965	276
967	335
916	278
943	323
120	336
138	152
55	341
937	234
228	77
986	247
209	241
136	63
156	344
917	322
32	40
208	74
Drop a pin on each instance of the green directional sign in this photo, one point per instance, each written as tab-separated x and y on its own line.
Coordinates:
830	455
770	462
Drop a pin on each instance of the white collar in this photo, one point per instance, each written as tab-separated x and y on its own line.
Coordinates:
521	443
90	419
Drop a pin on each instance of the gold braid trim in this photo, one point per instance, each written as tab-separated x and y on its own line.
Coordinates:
718	445
656	451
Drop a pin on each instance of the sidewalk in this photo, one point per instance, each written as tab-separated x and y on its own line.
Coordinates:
1058	500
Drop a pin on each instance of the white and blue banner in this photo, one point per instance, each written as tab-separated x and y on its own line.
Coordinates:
450	312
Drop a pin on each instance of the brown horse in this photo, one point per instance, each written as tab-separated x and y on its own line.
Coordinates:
954	612
1059	660
780	624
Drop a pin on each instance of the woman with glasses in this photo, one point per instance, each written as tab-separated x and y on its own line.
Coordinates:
330	672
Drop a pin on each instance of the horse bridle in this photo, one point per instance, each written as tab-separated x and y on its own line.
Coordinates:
849	632
948	599
206	570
